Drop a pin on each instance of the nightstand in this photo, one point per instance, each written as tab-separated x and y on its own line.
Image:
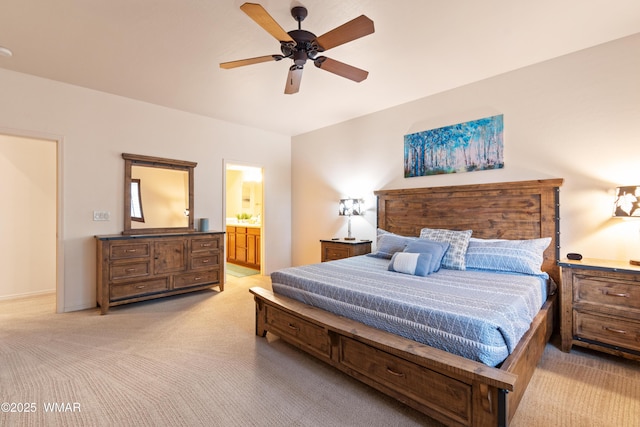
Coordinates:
340	248
600	306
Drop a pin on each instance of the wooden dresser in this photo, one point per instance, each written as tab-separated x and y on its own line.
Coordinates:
144	267
341	248
600	306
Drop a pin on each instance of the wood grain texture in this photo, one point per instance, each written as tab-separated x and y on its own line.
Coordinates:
600	306
131	160
510	210
131	269
476	394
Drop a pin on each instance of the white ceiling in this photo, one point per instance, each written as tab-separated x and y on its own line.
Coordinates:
167	52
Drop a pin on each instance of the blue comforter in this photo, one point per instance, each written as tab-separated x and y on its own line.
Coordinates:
475	314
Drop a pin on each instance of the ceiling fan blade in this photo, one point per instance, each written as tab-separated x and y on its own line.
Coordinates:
262	18
341	69
293	80
354	29
249	61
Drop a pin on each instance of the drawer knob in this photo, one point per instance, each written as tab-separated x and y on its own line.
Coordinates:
395	373
615	294
205	245
614	330
204	261
140	287
131	250
129	270
294	327
197	278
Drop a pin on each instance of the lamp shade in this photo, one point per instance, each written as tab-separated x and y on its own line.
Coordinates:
350	207
627	202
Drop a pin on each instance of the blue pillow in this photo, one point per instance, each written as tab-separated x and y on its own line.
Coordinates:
410	263
515	256
458	243
436	249
389	243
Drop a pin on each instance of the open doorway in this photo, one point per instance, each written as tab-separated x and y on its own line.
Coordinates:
244	219
29	225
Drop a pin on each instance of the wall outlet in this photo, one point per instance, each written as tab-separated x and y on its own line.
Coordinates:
101	215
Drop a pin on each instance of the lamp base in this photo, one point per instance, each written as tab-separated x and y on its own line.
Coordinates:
634	262
349	238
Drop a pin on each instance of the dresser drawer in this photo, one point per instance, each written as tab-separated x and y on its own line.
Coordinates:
290	328
206	244
420	384
205	262
607	291
129	270
132	269
129	250
195	279
130	290
339	248
618	332
335	252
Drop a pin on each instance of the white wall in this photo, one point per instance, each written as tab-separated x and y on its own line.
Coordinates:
576	117
234	193
28	226
96	128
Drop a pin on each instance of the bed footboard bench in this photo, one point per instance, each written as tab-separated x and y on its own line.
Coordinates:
446	387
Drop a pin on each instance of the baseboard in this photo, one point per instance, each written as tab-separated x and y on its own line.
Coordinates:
27	295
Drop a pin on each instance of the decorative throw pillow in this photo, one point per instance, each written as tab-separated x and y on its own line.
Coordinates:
410	263
516	256
436	249
390	243
458	241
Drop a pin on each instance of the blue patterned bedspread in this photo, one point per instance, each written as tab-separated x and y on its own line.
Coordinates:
475	314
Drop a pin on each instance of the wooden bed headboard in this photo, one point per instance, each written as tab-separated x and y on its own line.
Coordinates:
505	210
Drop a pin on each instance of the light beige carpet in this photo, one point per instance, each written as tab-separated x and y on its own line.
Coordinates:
194	360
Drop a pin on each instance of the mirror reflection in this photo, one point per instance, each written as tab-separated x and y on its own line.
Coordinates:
158	195
136	201
163	197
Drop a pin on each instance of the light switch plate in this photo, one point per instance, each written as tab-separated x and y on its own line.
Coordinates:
101	215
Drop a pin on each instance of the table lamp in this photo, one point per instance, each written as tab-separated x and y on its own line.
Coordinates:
349	207
627	205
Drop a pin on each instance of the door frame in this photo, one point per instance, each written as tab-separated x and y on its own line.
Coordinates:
59	141
225	163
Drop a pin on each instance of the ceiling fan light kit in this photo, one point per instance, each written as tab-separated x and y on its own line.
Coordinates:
300	45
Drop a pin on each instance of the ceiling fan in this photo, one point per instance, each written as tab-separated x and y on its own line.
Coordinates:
300	45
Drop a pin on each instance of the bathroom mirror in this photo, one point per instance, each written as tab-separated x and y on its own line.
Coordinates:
158	195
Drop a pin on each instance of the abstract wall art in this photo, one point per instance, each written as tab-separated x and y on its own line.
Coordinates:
464	147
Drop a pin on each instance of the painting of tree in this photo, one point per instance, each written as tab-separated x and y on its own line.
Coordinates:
465	147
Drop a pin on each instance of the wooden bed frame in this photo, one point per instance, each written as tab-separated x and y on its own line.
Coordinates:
449	388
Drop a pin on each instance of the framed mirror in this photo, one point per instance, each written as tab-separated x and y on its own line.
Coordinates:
158	195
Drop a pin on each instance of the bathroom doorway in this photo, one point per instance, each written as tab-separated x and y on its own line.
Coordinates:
244	219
